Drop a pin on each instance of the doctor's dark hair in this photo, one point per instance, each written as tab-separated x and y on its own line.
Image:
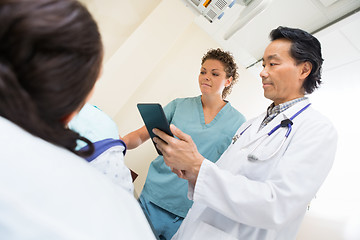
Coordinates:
227	59
304	48
50	58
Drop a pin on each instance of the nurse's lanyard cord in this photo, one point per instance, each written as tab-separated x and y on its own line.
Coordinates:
284	123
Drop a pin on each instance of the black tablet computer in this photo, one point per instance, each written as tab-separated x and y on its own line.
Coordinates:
154	117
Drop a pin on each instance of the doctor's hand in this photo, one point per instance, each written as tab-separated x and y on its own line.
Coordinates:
181	155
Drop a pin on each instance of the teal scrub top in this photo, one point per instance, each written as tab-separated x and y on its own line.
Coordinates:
163	187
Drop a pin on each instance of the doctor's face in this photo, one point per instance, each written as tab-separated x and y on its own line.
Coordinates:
281	76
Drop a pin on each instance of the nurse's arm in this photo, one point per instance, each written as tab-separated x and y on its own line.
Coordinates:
136	138
179	154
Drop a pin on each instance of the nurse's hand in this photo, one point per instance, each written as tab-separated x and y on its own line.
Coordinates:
179	154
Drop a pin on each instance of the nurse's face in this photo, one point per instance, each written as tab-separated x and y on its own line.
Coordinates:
212	78
282	78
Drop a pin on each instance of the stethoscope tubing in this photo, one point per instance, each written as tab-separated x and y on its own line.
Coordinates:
290	123
285	123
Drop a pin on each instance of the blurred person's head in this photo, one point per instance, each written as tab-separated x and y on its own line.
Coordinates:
50	58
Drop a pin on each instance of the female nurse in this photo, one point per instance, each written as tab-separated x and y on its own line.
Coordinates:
210	120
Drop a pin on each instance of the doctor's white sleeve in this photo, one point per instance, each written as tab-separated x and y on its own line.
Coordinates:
286	192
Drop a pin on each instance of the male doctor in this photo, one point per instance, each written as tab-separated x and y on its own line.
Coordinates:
261	186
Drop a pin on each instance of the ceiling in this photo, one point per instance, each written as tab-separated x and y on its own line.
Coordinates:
119	18
248	43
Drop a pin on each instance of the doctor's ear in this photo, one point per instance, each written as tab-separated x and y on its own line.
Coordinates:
305	69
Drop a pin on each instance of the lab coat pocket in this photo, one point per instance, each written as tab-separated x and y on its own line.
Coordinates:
209	232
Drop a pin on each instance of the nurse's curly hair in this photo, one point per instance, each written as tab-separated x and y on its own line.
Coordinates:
227	59
50	58
304	48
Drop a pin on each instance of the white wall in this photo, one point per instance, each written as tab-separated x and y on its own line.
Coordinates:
118	19
337	202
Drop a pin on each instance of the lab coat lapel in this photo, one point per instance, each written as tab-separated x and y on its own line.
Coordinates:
254	134
293	110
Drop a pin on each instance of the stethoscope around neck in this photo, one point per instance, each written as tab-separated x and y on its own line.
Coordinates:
284	123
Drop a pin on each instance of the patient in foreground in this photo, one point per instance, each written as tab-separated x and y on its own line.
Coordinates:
50	58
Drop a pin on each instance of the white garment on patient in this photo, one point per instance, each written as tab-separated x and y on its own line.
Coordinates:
108	158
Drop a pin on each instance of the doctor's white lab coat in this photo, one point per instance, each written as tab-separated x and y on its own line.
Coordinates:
235	198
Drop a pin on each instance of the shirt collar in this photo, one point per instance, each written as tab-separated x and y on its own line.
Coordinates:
272	109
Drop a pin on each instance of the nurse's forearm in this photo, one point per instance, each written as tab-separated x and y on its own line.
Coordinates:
136	138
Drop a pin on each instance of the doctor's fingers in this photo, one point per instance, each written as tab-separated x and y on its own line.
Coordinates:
164	148
160	144
162	135
170	157
181	135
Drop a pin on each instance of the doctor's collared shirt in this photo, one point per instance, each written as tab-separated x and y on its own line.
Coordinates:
273	111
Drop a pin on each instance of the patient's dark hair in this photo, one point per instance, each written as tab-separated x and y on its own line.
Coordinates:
50	57
230	67
304	48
